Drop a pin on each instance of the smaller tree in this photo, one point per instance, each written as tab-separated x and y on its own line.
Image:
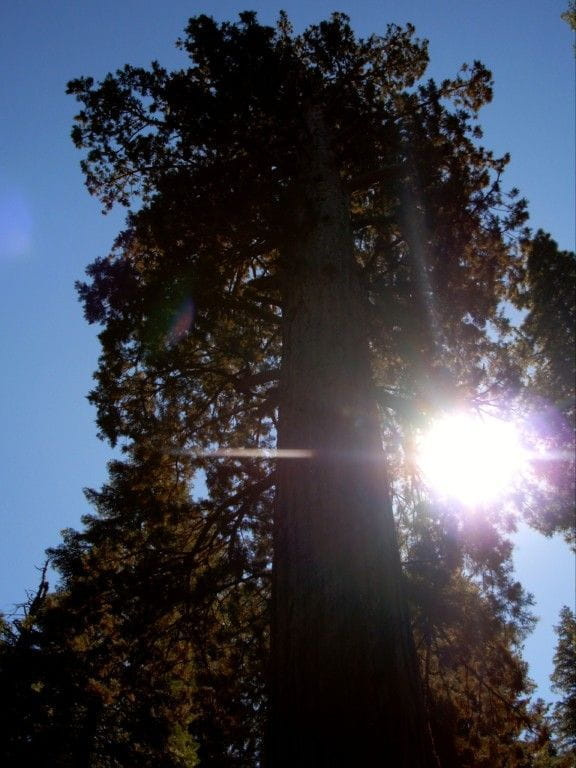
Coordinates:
564	682
549	327
547	351
100	672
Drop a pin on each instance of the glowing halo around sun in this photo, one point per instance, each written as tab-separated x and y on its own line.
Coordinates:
470	458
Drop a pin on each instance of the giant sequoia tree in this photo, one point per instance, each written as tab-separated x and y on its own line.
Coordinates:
316	248
324	235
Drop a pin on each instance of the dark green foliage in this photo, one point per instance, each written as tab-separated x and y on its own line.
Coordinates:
547	351
564	679
549	326
150	646
108	655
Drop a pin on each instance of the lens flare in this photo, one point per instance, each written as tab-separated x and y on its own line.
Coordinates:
182	322
256	453
15	226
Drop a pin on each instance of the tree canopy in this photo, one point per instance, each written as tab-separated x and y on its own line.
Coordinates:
317	258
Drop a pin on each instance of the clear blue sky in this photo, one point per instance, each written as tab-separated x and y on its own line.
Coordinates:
50	229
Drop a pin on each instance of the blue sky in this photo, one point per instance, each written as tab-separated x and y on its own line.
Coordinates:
50	229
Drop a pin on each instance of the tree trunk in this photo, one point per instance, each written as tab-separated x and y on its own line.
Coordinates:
345	683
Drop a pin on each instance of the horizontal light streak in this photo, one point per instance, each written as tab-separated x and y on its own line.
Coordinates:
256	453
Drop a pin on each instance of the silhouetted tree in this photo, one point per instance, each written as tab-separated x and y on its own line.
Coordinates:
331	228
564	680
101	672
318	251
547	352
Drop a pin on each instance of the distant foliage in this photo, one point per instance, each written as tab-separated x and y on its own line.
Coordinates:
564	680
547	350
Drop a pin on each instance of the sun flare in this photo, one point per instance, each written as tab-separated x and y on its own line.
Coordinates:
473	459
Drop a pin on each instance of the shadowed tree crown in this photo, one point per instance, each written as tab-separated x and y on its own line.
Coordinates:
316	248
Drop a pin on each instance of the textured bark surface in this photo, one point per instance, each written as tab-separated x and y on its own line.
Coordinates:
345	687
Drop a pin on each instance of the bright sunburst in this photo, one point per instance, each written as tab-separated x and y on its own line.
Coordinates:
471	458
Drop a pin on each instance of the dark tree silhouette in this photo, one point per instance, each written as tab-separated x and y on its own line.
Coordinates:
306	183
564	680
317	248
547	351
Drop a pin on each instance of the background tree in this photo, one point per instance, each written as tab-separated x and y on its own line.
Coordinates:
105	661
547	351
549	323
158	627
564	679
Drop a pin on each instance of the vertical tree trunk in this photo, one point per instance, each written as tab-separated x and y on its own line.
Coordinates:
345	684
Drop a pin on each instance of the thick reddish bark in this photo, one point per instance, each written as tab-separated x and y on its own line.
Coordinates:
345	685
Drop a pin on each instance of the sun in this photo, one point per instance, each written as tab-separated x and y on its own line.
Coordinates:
471	458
